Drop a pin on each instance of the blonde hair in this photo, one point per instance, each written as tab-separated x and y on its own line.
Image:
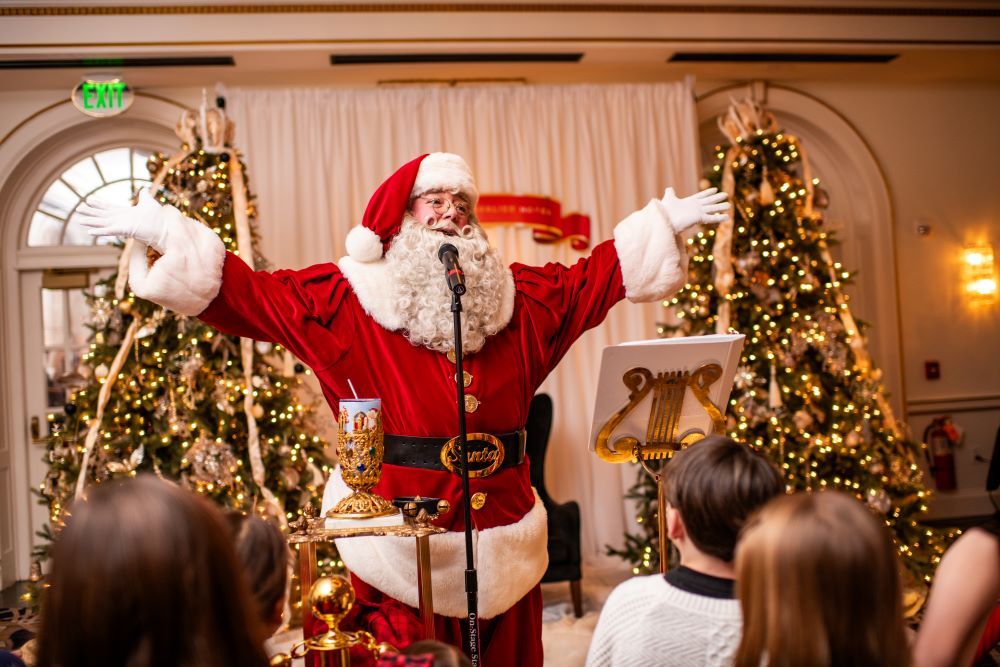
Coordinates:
818	582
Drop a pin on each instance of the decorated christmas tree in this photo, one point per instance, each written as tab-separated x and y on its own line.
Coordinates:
807	392
167	394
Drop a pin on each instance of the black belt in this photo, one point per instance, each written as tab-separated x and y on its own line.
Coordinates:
487	453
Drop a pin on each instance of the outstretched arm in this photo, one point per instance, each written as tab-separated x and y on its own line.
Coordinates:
646	262
196	276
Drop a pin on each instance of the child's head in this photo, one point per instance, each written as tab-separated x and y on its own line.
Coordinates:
144	573
818	583
715	484
263	553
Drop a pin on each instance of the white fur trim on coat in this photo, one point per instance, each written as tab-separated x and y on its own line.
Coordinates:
363	244
447	172
189	274
510	560
375	288
652	257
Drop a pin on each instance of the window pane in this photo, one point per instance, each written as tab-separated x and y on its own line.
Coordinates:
44	230
58	200
83	177
79	317
76	234
114	164
139	170
54	317
64	318
116	193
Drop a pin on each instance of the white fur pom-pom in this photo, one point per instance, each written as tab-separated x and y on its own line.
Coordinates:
363	245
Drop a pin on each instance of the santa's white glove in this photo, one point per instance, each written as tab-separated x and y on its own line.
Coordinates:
707	207
146	221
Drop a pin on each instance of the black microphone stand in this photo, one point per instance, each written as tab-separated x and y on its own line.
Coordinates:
471	578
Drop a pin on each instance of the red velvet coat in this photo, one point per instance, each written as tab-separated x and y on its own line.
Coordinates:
339	320
317	315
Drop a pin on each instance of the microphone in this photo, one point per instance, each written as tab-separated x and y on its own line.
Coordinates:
448	254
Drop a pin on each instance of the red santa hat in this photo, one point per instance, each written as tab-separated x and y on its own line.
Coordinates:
384	216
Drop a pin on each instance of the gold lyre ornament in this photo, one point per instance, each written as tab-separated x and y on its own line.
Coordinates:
360	451
662	439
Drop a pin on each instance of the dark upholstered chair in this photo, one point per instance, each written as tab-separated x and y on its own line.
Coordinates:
564	518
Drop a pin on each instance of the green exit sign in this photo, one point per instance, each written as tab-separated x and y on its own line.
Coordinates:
102	98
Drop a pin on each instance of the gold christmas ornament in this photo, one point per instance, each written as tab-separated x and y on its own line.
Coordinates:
330	598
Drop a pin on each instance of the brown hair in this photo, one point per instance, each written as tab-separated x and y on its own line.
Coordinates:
144	575
264	555
818	582
716	484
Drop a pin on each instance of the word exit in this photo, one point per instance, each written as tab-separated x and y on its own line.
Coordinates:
102	98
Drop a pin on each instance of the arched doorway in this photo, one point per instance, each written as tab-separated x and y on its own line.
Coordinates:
56	158
860	210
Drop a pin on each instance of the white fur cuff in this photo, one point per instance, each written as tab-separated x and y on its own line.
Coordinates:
652	257
189	274
510	561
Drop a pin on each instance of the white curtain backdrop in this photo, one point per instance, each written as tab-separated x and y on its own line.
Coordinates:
314	157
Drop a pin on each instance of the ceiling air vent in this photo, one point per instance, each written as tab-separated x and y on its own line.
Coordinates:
759	57
452	58
119	63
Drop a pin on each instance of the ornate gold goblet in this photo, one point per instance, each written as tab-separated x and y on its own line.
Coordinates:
360	449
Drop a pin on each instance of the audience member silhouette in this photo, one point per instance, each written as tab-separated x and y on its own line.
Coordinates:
263	553
818	581
144	575
690	615
965	591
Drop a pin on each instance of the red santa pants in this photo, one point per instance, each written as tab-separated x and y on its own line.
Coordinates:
512	638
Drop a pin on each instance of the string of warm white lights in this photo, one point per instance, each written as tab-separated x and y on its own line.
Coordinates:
807	392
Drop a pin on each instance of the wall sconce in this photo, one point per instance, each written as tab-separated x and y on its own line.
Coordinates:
980	274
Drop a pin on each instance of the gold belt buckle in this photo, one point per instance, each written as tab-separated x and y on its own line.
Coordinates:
492	454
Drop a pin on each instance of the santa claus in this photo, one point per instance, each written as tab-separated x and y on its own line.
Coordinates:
387	300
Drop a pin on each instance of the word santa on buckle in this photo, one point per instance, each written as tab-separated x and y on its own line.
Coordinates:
492	454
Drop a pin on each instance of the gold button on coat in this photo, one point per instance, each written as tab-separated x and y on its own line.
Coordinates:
471	403
466	378
478	500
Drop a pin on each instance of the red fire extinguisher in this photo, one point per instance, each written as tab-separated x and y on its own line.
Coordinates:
942	436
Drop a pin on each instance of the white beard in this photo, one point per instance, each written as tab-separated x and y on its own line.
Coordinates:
422	298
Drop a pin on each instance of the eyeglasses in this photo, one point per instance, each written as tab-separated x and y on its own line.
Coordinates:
440	205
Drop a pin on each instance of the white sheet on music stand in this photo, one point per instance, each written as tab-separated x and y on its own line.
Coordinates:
662	355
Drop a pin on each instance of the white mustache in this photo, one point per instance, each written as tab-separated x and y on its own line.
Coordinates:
449	227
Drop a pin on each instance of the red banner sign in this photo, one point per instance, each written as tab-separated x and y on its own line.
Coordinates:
542	214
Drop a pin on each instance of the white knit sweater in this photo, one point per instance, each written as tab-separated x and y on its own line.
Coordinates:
646	622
